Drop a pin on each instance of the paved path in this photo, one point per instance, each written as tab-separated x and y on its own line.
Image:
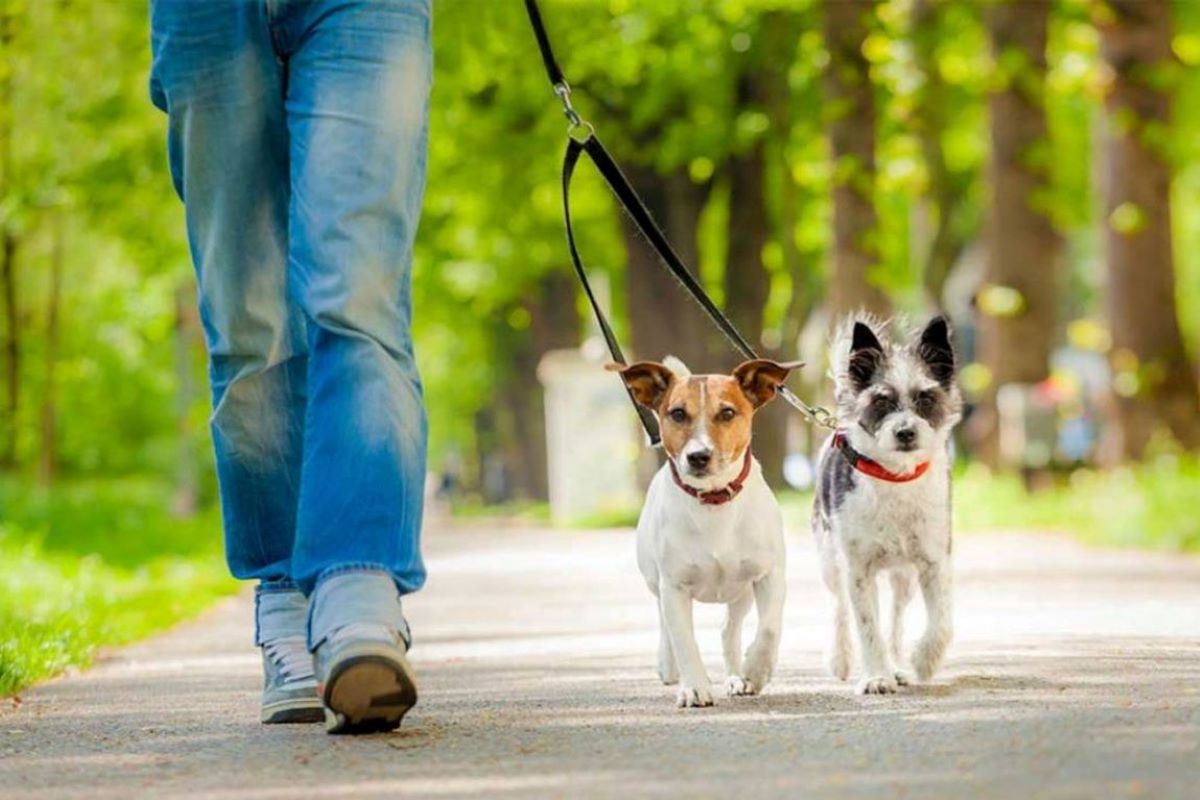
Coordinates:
1076	673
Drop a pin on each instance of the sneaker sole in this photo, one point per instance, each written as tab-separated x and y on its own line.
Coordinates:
368	693
298	710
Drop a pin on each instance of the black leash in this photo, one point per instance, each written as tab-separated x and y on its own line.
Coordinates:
582	139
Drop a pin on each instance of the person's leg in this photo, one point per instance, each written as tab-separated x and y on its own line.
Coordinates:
357	111
216	75
357	106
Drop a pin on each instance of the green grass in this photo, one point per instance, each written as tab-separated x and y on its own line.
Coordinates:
527	511
1149	506
92	564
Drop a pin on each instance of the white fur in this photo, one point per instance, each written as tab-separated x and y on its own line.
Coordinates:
677	366
899	529
732	553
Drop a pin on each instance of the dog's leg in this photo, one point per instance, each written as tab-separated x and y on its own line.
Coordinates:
841	652
731	643
694	689
902	590
878	674
939	629
769	594
668	669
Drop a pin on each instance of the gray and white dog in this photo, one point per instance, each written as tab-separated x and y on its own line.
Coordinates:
883	493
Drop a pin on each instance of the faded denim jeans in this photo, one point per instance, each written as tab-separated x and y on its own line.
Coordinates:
297	139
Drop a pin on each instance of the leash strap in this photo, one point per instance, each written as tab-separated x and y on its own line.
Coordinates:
582	139
539	30
574	148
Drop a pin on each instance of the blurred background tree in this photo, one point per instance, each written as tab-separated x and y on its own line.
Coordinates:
1031	167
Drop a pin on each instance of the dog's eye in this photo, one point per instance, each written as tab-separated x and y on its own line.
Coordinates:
726	414
925	399
883	402
678	415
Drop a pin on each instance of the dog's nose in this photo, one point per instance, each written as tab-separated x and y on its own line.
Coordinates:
906	435
699	459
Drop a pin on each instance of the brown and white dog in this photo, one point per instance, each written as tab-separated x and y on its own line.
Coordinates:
711	529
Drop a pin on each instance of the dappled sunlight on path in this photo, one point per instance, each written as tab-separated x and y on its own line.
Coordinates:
1075	672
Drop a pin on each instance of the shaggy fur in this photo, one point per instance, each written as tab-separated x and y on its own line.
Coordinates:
897	404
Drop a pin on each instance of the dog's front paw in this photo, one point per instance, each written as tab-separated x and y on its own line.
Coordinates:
902	678
737	686
669	677
687	697
880	684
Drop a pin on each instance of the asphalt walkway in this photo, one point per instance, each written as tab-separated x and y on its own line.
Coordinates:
1074	673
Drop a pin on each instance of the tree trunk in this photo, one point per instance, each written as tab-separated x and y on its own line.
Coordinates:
1156	381
48	417
8	254
850	101
12	349
761	87
518	437
1017	318
806	283
663	320
554	325
746	282
947	190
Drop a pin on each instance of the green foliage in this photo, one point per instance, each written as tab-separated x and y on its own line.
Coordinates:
94	564
89	176
1150	505
658	80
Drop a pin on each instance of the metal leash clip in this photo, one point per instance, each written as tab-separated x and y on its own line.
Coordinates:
577	128
817	415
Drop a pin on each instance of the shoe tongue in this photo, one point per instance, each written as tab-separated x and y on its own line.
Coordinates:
364	630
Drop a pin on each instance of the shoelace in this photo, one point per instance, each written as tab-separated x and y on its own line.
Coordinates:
291	655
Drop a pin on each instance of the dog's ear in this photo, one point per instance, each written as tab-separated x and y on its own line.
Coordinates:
866	356
760	378
934	349
647	381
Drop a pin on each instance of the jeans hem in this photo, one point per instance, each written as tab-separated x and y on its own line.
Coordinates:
269	587
354	566
363	568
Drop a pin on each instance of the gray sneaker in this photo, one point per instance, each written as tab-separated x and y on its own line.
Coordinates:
289	685
364	678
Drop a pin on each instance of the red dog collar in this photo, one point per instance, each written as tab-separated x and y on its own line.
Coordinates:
873	468
715	497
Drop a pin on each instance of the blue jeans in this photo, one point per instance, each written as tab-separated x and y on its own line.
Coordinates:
297	138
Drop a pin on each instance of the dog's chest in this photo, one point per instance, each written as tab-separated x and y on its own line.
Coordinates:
715	570
897	522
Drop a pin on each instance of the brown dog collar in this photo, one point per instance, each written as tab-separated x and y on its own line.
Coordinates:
715	497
